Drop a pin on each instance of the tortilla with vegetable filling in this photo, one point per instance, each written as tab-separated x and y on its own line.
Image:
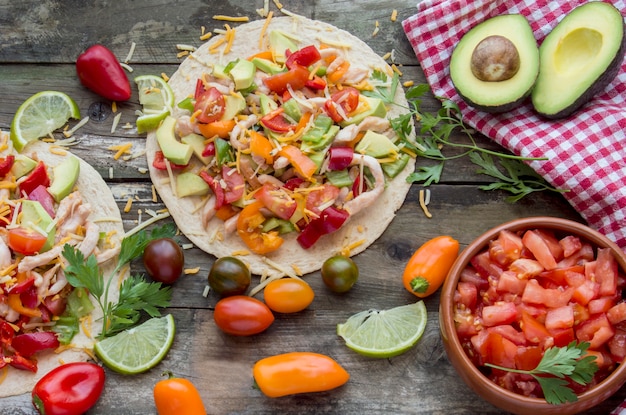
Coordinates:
106	216
361	229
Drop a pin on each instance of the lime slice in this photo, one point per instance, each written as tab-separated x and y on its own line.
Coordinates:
384	333
40	115
138	349
156	98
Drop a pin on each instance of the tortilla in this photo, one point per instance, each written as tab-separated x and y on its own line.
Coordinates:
94	191
359	232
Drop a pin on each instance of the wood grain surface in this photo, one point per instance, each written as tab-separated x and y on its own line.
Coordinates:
39	43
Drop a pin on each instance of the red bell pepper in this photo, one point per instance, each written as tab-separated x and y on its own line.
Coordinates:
339	158
37	177
218	191
306	56
28	344
6	164
331	219
276	121
99	70
159	162
70	389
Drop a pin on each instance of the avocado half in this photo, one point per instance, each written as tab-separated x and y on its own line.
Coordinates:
579	58
504	92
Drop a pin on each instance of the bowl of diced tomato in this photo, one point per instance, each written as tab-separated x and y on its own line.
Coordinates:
533	318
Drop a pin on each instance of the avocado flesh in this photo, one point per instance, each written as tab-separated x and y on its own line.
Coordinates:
579	58
496	96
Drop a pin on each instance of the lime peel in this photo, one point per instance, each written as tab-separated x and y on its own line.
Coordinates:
384	333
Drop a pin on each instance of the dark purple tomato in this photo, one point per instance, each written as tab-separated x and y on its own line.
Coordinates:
164	260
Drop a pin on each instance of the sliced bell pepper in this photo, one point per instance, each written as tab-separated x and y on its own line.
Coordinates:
6	164
220	128
330	220
38	176
249	230
261	146
304	165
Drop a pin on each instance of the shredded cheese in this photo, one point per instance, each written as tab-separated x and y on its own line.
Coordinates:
129	205
205	293
264	29
376	28
231	18
130	52
189	271
121	149
394	15
58	150
147	223
116	121
71	131
423	202
5	372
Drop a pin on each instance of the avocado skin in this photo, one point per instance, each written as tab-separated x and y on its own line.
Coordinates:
598	86
495	109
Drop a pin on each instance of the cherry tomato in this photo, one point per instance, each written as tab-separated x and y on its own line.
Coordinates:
339	273
211	105
298	372
288	295
241	315
174	396
276	200
296	77
229	276
164	260
276	121
26	241
428	267
70	389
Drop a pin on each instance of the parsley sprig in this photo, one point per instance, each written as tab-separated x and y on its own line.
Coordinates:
556	366
434	134
136	294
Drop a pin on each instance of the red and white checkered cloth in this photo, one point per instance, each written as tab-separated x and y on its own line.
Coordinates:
586	153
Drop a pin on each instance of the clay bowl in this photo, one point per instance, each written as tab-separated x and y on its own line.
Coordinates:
488	390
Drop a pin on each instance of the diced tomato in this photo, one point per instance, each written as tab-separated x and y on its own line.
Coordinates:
509	332
342	103
235	184
306	56
617	345
560	318
296	77
319	199
600	305
500	313
485	266
26	241
570	245
278	201
581	313
585	292
536	294
586	253
276	121
527	358
248	228
215	186
539	248
210	106
606	272
316	83
558	274
617	313
563	337
552	242
469	274
466	294
533	330
506	248
526	268
159	162
596	330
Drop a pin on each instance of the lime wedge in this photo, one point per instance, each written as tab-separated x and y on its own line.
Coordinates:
384	333
138	349
156	98
40	115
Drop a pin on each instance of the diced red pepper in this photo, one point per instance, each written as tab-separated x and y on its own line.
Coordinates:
159	162
37	177
22	363
339	158
218	191
306	56
330	220
276	121
209	149
28	344
6	164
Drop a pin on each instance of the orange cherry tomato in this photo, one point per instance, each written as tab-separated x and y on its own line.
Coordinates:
288	295
428	267
298	372
248	223
241	315
26	241
174	396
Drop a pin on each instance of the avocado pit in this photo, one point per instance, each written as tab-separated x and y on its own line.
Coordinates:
495	59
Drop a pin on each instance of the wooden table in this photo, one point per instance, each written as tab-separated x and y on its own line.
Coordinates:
39	42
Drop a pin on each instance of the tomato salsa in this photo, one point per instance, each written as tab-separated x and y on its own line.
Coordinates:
531	290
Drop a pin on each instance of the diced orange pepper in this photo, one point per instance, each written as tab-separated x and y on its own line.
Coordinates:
226	212
220	129
248	229
261	146
267	55
15	302
338	73
303	164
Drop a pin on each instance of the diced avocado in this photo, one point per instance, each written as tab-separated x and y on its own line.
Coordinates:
267	104
242	74
22	165
339	178
34	216
370	106
64	177
392	169
495	64
292	109
233	105
196	141
267	66
190	184
579	58
376	145
277	224
218	72
316	142
279	43
173	150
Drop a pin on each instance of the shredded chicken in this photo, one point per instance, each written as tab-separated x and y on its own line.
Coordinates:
230	225
349	133
90	242
31	262
208	211
238	132
5	254
365	199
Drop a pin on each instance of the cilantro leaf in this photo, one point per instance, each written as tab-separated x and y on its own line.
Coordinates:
558	364
427	175
81	273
